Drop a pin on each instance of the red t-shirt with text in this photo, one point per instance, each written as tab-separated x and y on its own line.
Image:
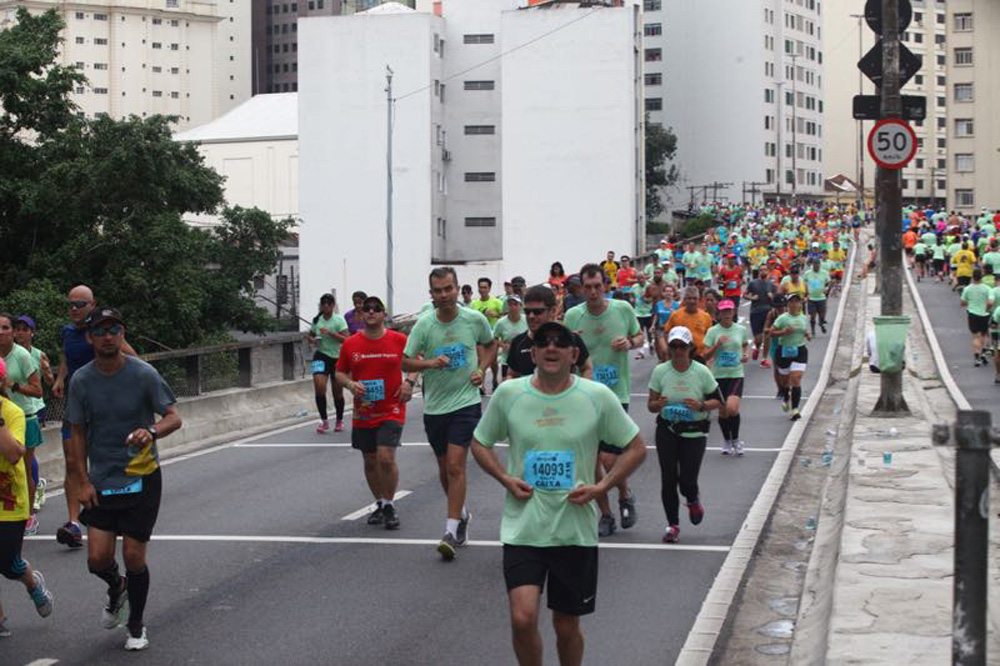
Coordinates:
731	280
378	365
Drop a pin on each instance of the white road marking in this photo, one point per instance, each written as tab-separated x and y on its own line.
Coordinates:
43	662
719	448
364	511
746	397
346	445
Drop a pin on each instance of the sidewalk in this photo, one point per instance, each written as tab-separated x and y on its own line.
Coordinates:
892	590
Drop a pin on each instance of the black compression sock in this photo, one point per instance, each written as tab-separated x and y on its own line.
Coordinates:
783	392
724	427
138	590
734	426
111	576
338	403
321	406
796	396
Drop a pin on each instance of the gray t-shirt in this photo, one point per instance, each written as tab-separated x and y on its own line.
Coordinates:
763	289
111	408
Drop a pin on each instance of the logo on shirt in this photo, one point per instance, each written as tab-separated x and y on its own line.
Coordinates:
7	497
550	418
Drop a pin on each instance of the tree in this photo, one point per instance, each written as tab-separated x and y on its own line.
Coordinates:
661	147
102	202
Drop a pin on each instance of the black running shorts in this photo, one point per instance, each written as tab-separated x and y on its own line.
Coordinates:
128	515
571	572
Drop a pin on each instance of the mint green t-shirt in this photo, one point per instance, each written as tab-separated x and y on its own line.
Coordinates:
696	382
816	284
993	259
799	323
553	445
505	331
36	360
920	249
643	308
19	370
335	324
929	239
450	388
977	296
939	252
727	360
611	367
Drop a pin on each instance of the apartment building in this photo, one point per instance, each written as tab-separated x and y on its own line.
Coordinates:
188	58
741	84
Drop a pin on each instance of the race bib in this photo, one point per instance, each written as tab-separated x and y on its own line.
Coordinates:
374	390
606	374
130	489
455	354
732	284
789	352
317	367
677	411
815	285
728	359
550	470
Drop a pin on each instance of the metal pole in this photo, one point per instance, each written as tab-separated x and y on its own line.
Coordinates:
795	129
890	210
972	487
861	123
388	193
781	146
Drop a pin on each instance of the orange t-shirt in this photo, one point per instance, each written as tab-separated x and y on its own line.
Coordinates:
909	239
698	323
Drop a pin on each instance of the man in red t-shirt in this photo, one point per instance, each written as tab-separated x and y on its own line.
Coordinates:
371	368
626	274
731	281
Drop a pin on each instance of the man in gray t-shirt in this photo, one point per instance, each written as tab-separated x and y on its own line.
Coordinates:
113	403
759	293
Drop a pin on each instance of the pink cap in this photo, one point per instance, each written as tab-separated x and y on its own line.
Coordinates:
3	369
726	305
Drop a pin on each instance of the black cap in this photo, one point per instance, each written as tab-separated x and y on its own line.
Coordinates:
373	300
517	279
795	296
563	333
778	301
101	315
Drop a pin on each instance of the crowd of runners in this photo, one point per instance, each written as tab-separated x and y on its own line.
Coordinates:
555	358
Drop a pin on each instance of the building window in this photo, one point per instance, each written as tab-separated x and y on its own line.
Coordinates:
175	47
485	38
176	24
80	15
100	91
654	104
157	45
964	127
172	4
653	79
654	55
768	96
100	41
942	142
100	17
963	92
941	101
965	162
80	40
920	185
652	5
175	70
480	129
652	29
479	222
963	56
963	22
157	93
480	176
157	21
941	60
479	85
80	90
965	198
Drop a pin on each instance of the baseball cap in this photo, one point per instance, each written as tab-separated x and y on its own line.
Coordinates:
730	256
794	296
778	301
373	300
563	335
795	268
515	298
663	241
726	305
101	315
27	321
681	333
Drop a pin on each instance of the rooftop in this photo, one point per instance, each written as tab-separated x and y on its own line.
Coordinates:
260	118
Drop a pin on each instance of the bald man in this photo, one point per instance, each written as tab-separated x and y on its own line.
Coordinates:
76	353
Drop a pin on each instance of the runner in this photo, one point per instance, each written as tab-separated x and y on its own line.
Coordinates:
817	287
920	254
731	281
76	352
555	424
24	387
977	300
112	407
466	295
355	322
512	325
491	308
939	259
610	268
726	347
540	308
681	393
791	331
15	508
24	335
626	274
371	368
792	283
759	292
643	312
610	330
691	317
443	345
964	262
328	332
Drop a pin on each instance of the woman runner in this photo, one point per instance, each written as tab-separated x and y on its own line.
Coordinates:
328	331
792	331
726	346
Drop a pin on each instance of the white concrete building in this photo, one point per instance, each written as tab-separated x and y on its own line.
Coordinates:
741	84
509	152
189	58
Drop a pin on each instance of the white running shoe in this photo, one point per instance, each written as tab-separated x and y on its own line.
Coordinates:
738	447
135	644
114	614
726	448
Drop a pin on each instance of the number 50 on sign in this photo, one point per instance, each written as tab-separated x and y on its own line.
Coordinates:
892	143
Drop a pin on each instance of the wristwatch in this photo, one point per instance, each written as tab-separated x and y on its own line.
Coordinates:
15	388
411	382
152	431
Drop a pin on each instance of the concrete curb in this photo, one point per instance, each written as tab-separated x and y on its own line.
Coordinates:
697	649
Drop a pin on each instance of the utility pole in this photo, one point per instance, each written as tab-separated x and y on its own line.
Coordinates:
388	193
781	146
795	141
861	123
890	210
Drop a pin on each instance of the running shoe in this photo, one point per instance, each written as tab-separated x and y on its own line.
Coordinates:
726	448
41	595
448	547
462	534
641	355
116	611
672	535
377	517
31	526
738	447
796	415
323	427
696	512
4	631
996	380
136	643
339	427
606	525
391	519
40	493
70	535
628	511
822	326
756	353
786	406
765	363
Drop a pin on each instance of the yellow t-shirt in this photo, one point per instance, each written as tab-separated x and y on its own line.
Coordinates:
965	263
13	482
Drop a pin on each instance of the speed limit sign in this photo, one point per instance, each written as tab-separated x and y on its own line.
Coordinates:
892	143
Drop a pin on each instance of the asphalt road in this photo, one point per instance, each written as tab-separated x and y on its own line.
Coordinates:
950	323
253	561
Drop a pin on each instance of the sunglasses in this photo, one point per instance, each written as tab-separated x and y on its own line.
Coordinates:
538	312
77	305
101	331
558	341
677	345
373	308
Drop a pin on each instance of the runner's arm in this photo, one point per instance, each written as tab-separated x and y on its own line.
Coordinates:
655	402
488	461
626	463
419	364
46	369
76	466
33	389
59	386
344	380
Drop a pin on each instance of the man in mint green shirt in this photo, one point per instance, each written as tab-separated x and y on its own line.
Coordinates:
817	284
554	423
508	328
977	298
643	308
452	347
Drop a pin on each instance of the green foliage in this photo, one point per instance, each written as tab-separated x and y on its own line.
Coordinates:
101	202
661	147
658	228
698	225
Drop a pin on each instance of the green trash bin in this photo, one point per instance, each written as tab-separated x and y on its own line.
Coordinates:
890	338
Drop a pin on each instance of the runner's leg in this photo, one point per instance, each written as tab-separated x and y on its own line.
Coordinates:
667	445
689	457
137	581
388	471
569	638
455	480
373	473
524	603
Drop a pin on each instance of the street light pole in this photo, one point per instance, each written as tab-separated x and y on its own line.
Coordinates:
781	146
795	141
388	193
861	123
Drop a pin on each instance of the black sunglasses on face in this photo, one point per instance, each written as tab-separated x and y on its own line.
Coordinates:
76	305
559	341
373	308
538	312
